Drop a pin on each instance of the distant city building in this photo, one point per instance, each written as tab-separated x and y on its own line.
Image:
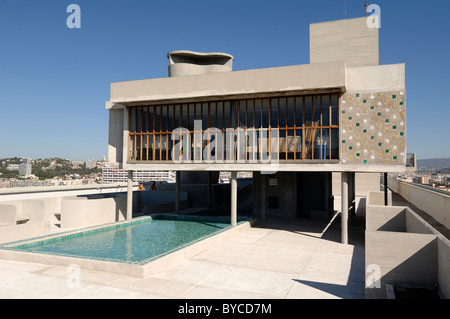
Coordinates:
25	168
26	183
112	175
91	163
13	167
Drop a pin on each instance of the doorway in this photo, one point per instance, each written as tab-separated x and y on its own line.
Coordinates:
314	195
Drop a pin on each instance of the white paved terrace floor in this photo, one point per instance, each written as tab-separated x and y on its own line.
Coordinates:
275	259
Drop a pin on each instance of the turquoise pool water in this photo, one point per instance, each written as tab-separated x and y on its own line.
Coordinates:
136	242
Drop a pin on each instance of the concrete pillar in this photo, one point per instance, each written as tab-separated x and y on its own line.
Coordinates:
344	208
263	196
177	192
233	199
130	196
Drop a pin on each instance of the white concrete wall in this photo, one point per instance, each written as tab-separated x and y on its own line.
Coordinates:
403	258
378	198
29	230
115	137
435	204
349	40
364	183
10	212
376	78
8	215
79	213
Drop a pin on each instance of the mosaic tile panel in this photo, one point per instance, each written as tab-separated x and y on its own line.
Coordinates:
373	128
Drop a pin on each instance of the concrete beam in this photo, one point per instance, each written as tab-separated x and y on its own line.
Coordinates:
321	76
248	167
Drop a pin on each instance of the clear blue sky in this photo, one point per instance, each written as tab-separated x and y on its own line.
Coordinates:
54	81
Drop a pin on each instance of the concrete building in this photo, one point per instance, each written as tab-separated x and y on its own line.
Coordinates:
111	175
91	163
25	168
292	126
13	167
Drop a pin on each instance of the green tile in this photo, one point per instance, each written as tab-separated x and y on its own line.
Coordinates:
387	120
402	133
372	107
380	144
394	127
394	96
379	114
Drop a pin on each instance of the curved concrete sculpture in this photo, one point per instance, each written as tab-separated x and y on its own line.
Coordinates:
183	62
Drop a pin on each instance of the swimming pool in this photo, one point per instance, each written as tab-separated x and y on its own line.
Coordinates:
134	243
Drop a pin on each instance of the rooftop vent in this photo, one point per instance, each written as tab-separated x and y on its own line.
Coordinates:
184	62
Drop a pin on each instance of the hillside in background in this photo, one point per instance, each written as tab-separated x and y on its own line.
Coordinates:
47	168
436	163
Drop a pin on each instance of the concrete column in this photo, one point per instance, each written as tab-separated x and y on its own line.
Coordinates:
263	196
130	196
177	192
125	136
344	208
233	199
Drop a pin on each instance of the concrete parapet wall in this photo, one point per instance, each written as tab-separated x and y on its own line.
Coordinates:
403	259
406	250
30	212
444	266
8	214
29	230
76	213
435	204
385	218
